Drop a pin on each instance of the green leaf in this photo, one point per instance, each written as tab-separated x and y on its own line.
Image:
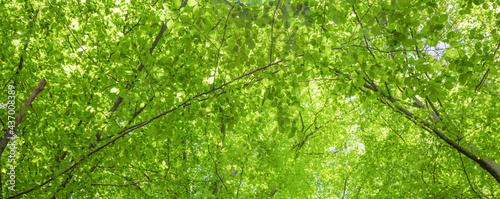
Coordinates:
178	3
196	10
115	56
404	3
170	24
438	66
114	90
191	3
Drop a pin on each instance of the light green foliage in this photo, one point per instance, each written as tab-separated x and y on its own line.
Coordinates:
246	99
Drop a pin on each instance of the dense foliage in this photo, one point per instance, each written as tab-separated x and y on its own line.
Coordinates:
245	99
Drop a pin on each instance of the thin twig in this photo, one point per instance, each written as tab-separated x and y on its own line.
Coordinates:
272	29
467	175
92	59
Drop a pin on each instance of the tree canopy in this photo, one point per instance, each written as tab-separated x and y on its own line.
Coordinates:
245	99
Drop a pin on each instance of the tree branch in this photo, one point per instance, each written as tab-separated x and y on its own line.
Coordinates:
137	126
20	115
489	165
